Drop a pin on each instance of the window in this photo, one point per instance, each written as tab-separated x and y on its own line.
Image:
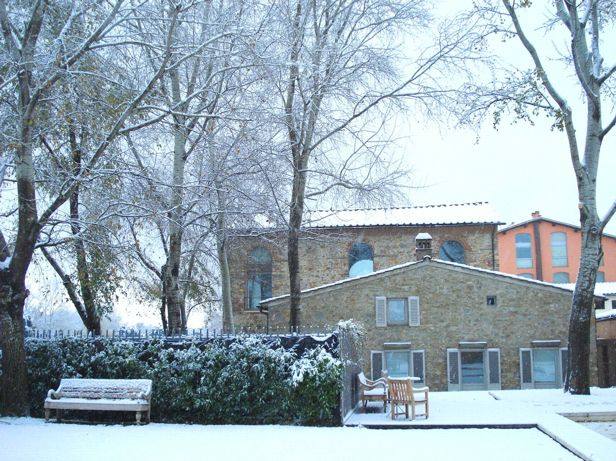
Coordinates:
561	277
399	363
526	275
453	251
491	300
397	311
543	368
559	249
259	283
613	303
600	277
474	369
360	259
523	257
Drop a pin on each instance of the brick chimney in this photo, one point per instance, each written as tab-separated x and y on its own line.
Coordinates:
423	246
536	214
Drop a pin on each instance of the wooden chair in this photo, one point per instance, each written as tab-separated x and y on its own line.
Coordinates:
403	394
372	390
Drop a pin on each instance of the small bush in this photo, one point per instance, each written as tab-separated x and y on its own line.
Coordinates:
244	381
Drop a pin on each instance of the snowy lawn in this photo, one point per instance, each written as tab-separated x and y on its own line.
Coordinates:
29	439
599	400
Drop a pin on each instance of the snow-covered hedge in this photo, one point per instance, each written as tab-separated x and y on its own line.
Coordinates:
243	382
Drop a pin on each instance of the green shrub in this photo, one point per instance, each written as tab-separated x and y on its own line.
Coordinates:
241	382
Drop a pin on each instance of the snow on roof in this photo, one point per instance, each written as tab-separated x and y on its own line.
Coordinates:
601	288
604	314
423	236
541	218
455	213
426	260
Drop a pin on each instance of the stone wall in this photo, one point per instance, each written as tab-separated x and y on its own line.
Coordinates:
453	309
324	256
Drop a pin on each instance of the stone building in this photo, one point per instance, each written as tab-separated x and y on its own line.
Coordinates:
336	244
455	326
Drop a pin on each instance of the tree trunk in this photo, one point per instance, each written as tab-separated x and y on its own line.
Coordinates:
177	316
223	261
295	223
92	321
14	399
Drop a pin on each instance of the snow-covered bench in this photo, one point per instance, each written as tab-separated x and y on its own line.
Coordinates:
101	394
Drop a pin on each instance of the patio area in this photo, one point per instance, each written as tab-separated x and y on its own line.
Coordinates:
540	409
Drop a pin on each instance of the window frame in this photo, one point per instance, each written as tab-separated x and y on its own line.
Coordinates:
559	263
409	351
530	249
258	270
350	255
559	273
602	277
405	308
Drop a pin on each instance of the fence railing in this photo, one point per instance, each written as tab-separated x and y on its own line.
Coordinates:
193	333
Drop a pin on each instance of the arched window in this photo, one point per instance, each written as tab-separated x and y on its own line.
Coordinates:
259	284
453	251
360	259
523	256
526	275
561	277
559	249
600	277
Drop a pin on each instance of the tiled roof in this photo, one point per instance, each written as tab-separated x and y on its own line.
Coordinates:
553	221
427	260
444	214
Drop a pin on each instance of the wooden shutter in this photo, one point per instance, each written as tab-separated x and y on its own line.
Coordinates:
526	369
494	371
564	364
376	364
381	311
414	314
453	370
419	365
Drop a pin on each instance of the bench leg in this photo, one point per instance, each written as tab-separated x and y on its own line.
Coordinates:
58	415
147	416
138	417
47	412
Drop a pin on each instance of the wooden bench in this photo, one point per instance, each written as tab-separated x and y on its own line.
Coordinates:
101	394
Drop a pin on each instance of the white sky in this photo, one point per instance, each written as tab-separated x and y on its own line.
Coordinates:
519	168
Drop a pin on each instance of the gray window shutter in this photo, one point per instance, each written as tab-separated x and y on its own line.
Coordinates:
376	365
414	314
419	366
494	372
564	364
526	369
381	311
453	365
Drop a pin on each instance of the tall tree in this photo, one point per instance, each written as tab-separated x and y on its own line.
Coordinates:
43	43
543	89
334	63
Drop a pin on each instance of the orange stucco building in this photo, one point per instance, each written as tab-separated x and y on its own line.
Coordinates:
549	250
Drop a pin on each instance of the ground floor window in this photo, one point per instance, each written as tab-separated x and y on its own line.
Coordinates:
473	369
398	363
543	367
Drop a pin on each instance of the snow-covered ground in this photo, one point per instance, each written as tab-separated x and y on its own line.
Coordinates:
608	428
599	400
27	439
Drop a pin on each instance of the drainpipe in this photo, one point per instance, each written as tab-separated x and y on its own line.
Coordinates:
538	259
494	231
265	311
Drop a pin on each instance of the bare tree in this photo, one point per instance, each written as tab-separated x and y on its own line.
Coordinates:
542	90
337	64
43	44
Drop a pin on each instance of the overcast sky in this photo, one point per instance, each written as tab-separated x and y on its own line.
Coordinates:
519	168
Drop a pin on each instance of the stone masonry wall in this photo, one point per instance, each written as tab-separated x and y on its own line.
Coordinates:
453	309
324	256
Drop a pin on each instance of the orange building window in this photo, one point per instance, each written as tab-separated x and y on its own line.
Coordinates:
523	255
559	249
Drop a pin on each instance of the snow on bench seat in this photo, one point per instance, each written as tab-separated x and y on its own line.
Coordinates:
101	394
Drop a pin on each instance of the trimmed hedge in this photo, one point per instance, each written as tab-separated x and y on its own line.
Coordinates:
245	381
